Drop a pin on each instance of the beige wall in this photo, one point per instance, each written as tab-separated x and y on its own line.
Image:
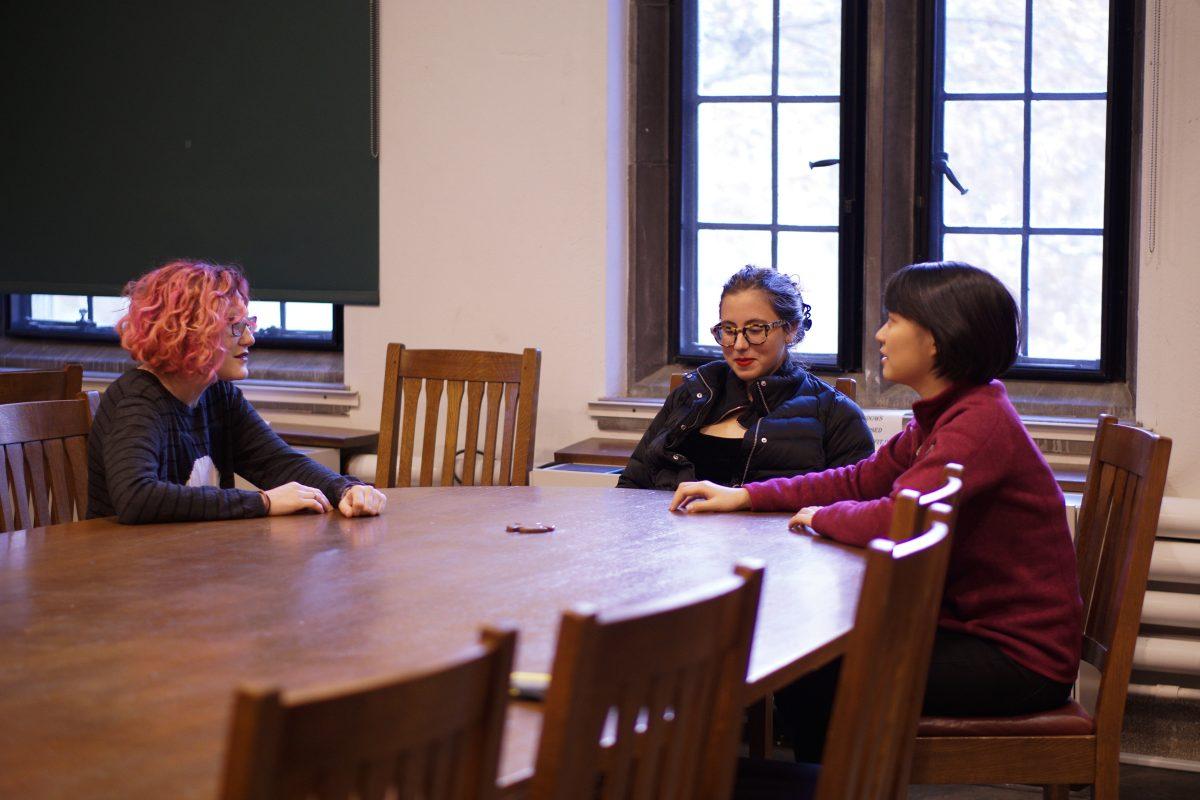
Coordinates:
1168	390
502	207
495	198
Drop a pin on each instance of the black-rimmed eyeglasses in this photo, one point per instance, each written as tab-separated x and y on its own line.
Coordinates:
754	333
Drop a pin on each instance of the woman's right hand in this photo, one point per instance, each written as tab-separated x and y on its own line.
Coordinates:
292	497
709	496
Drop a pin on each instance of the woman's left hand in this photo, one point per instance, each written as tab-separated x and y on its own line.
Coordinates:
361	500
803	517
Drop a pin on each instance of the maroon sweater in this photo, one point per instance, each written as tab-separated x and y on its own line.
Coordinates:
1012	577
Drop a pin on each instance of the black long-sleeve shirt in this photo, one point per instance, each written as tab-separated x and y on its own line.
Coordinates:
145	446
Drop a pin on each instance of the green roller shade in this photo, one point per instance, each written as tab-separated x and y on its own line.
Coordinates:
230	130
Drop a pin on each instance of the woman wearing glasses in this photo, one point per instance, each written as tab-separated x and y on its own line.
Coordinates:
169	435
756	414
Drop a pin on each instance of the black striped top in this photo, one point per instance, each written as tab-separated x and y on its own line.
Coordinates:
145	444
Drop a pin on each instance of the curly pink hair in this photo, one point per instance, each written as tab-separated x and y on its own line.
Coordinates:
178	315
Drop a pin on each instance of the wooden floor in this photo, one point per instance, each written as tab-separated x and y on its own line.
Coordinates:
1137	783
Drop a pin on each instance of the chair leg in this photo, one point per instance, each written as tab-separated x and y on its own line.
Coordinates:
1056	792
761	739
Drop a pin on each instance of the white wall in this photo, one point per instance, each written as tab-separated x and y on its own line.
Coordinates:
496	192
503	207
1168	368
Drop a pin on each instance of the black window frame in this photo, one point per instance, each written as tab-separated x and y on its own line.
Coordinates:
1121	137
17	307
852	156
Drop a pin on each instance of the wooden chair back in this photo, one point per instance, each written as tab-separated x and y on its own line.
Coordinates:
912	515
675	382
1118	521
43	461
508	380
434	736
646	704
872	732
27	386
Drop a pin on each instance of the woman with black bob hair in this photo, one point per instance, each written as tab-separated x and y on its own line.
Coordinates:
757	413
1010	626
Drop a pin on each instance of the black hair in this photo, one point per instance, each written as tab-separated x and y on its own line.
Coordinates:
973	318
781	290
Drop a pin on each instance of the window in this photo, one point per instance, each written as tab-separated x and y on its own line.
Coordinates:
770	168
1002	133
280	324
1021	135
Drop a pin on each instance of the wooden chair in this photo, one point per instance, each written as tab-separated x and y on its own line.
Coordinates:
509	377
27	386
1118	521
906	522
43	461
646	703
434	736
869	745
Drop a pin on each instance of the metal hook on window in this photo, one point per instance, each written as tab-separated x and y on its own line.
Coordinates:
824	162
943	166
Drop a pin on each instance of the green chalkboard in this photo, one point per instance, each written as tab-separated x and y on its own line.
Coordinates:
230	130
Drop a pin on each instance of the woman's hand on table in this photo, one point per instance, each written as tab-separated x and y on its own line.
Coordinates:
361	500
709	496
804	517
292	497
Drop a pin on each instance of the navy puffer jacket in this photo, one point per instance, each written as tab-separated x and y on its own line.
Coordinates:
795	423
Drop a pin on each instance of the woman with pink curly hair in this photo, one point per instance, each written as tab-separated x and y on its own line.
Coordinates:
169	435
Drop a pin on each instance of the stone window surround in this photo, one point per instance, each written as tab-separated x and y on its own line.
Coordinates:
893	103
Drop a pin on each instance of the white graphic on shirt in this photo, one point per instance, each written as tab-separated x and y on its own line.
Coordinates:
204	473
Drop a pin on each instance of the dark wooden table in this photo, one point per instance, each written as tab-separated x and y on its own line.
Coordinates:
120	646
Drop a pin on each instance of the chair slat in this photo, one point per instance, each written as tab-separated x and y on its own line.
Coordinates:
35	466
437	785
7	523
20	487
454	396
433	406
76	447
510	432
494	390
471	442
389	421
412	395
62	502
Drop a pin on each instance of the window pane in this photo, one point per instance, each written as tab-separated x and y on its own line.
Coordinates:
309	316
813	258
998	254
810	48
267	312
734	47
58	307
107	310
1064	296
985	45
720	254
808	132
1066	170
1070	46
735	162
984	143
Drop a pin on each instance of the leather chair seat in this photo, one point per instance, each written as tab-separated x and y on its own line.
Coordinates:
1069	720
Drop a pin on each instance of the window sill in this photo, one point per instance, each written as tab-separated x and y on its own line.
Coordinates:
284	380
